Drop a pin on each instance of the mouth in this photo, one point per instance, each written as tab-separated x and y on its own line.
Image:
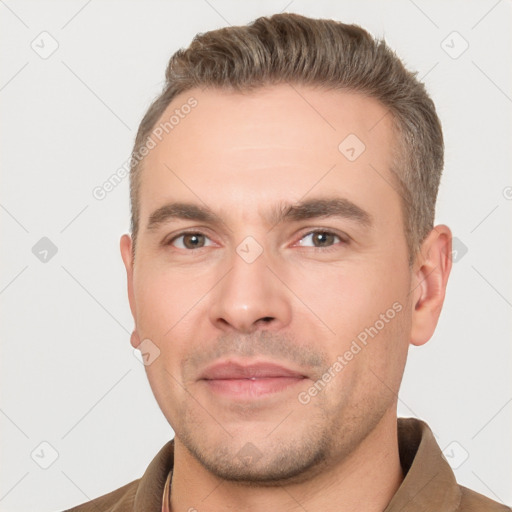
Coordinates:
243	381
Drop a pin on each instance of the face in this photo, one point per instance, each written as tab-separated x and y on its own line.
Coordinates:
272	274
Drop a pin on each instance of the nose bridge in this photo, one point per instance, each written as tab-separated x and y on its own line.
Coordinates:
249	292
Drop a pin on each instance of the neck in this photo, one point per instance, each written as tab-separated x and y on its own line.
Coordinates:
370	475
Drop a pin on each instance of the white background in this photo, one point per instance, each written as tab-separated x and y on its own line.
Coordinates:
68	373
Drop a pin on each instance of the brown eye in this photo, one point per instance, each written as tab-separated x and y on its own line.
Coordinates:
189	241
320	239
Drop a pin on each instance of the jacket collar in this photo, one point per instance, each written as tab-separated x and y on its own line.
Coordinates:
429	482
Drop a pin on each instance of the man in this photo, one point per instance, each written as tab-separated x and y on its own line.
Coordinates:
282	259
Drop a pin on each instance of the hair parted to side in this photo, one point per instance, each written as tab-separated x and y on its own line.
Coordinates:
290	48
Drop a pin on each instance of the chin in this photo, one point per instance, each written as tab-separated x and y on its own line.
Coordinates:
262	463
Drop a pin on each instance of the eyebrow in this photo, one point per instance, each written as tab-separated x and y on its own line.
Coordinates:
282	212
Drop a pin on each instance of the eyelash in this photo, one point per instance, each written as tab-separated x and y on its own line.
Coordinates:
343	240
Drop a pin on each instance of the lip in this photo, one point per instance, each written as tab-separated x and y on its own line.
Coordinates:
244	381
233	370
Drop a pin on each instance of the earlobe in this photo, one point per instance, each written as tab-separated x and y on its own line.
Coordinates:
429	282
134	339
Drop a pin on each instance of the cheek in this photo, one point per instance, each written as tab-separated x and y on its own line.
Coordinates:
365	309
348	300
168	303
372	351
164	316
168	393
166	299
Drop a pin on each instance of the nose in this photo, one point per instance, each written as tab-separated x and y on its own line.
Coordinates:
250	296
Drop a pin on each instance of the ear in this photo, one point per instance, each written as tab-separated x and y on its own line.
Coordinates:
126	254
428	286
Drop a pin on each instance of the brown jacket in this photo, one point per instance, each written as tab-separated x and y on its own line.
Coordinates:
429	484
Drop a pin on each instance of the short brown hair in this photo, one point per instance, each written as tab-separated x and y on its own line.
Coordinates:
290	48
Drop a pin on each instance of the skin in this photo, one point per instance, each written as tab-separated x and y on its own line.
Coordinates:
301	303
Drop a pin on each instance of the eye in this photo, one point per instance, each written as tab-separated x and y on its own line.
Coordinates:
319	239
190	240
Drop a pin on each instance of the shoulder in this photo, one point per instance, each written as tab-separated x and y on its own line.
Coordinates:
472	501
120	500
140	495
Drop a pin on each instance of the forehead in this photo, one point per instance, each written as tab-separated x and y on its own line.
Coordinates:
284	138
